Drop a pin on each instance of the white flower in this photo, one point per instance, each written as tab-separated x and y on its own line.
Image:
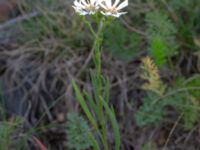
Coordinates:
84	7
115	9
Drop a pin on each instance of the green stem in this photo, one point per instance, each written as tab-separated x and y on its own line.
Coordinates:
98	76
89	26
97	62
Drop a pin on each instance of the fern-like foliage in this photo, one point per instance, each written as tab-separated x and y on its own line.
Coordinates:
186	105
122	44
151	75
194	83
150	113
190	114
77	132
158	50
187	5
162	37
187	102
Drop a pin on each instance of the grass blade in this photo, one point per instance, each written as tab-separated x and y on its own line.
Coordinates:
84	105
94	142
114	124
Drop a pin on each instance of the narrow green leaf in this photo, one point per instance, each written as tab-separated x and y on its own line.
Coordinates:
91	101
94	142
114	124
84	105
96	94
107	88
95	86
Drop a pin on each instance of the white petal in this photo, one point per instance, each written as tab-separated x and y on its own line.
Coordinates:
75	8
81	6
108	3
106	13
98	2
122	5
119	14
84	2
91	12
92	2
103	6
102	12
78	5
82	12
116	3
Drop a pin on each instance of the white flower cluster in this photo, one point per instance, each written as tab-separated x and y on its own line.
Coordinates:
106	7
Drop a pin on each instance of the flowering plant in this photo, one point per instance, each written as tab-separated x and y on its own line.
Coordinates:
84	7
102	112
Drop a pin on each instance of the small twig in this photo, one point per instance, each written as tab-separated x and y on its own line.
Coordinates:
172	131
13	21
133	29
39	143
189	134
50	107
47	110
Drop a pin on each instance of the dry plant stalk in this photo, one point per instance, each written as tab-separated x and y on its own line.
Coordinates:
151	75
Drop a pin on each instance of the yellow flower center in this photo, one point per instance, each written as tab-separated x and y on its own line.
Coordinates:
112	10
91	8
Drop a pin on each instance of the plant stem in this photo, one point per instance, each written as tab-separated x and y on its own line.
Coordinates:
97	62
99	77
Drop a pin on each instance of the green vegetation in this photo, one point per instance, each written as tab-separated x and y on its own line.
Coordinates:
131	82
77	132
